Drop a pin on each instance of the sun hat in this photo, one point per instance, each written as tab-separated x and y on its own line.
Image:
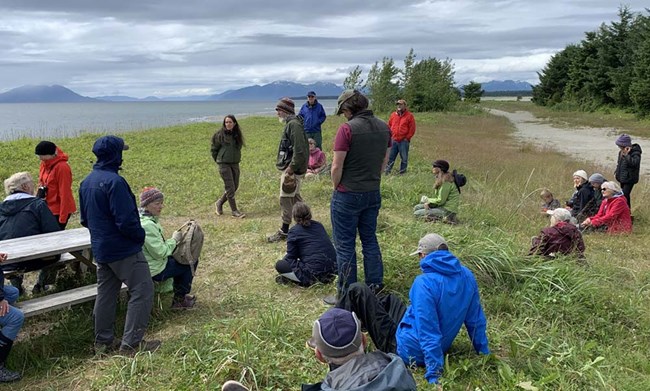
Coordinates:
337	333
345	95
428	244
560	214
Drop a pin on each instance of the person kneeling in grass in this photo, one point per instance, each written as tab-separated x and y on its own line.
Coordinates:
446	198
310	257
561	237
158	251
443	298
337	340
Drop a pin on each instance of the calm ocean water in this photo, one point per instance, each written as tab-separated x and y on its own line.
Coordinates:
53	120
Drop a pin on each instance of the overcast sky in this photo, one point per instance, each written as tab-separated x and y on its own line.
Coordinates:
196	47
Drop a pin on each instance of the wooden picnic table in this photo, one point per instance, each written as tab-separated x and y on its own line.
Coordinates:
74	241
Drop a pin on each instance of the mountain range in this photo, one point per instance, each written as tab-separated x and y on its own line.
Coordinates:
266	92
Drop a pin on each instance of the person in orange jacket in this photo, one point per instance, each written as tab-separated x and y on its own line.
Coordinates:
55	181
402	128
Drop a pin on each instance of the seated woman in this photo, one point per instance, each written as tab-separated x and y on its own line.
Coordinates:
317	160
614	212
596	180
446	197
582	203
158	251
310	257
561	237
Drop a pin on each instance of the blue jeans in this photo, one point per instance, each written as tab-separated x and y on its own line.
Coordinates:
11	323
403	148
182	275
352	212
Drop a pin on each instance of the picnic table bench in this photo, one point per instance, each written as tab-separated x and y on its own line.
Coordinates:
72	245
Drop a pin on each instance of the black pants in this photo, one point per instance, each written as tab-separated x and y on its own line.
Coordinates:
379	315
627	190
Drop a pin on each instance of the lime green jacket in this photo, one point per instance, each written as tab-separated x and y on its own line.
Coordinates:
156	249
447	196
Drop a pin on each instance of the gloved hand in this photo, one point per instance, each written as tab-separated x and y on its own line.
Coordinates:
177	236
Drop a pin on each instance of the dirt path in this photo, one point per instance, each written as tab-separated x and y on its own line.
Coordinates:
591	144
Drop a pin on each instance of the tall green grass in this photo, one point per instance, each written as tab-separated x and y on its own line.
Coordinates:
554	325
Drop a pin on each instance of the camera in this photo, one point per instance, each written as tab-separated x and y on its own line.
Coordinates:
41	192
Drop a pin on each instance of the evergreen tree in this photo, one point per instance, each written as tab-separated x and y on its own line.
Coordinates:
473	92
640	84
354	81
383	85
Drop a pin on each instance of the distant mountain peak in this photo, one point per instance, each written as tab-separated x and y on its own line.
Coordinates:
42	94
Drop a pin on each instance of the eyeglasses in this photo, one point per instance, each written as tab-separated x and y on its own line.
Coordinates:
604	189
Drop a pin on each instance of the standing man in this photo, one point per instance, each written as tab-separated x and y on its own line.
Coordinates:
360	153
443	298
313	115
55	181
627	167
293	156
108	209
402	128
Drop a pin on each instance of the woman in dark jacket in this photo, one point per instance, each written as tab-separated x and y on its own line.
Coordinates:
226	152
561	237
582	202
627	168
310	257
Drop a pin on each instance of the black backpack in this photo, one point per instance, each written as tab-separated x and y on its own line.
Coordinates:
459	180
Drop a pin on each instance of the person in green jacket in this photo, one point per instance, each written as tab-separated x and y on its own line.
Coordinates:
446	199
226	152
158	250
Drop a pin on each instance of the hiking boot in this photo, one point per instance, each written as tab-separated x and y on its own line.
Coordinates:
7	375
184	303
143	346
107	348
432	219
38	289
330	300
276	237
376	289
232	385
218	207
282	280
237	214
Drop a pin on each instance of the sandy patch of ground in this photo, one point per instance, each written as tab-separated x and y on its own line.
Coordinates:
590	144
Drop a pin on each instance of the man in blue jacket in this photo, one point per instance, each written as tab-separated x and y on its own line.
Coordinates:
313	115
443	298
108	209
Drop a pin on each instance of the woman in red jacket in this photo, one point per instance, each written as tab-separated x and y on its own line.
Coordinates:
614	212
55	181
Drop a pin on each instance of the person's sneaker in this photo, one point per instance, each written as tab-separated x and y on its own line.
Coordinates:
218	208
186	302
7	375
330	300
110	348
143	346
232	385
237	214
277	237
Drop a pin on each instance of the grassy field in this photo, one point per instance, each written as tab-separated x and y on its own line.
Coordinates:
554	325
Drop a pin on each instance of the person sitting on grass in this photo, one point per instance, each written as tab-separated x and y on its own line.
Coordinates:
549	202
445	201
337	340
596	180
614	213
561	237
158	251
22	214
317	160
582	203
443	298
310	257
11	321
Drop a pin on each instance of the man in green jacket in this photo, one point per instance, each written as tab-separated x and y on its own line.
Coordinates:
293	156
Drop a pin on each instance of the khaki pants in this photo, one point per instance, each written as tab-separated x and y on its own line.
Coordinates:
287	200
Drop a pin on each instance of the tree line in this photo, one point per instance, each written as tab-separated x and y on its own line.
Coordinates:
427	85
610	67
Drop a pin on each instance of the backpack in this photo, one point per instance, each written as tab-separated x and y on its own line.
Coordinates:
459	180
188	250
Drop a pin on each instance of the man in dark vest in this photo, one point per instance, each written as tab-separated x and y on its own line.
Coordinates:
361	149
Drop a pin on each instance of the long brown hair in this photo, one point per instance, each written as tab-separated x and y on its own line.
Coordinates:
301	214
237	135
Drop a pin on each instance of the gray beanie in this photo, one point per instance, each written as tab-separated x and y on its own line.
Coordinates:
597	178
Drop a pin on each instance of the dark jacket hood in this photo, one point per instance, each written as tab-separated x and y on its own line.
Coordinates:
441	261
12	207
108	150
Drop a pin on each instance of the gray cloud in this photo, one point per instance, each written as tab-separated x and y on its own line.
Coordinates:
167	47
